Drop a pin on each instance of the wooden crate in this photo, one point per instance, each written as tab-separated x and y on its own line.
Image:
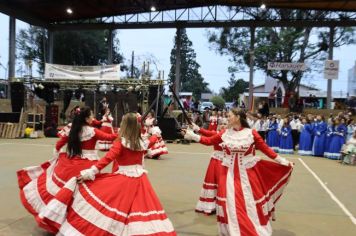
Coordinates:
13	130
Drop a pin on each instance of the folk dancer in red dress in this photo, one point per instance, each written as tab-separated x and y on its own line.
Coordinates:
213	122
39	184
207	199
159	148
106	126
249	187
121	203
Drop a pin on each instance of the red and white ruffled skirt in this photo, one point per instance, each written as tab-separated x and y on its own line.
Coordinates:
104	145
207	199
157	149
39	184
247	193
113	204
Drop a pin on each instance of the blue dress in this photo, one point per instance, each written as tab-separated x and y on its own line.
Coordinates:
273	136
305	140
328	136
319	138
286	141
338	139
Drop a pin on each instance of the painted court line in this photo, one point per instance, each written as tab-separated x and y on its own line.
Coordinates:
333	197
29	144
193	153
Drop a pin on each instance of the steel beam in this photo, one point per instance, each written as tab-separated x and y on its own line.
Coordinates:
50	46
207	24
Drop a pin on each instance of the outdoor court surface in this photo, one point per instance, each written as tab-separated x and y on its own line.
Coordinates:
320	199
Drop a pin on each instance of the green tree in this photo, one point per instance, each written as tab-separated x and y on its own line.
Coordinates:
191	80
84	48
218	102
234	89
280	44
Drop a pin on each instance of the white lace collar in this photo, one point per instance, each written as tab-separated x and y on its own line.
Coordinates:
126	144
87	133
234	139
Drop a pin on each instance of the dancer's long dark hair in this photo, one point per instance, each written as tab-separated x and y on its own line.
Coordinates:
242	115
74	147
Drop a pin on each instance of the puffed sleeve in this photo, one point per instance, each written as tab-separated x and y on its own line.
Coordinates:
61	142
207	133
100	135
96	123
262	146
113	153
213	140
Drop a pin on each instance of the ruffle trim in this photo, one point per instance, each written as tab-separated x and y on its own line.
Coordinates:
134	171
87	133
143	144
205	207
237	141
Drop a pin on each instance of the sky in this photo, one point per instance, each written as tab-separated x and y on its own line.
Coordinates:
159	43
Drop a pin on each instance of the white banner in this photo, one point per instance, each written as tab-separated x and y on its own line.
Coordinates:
107	72
331	69
296	66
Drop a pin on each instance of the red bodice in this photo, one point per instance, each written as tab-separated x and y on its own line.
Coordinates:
123	155
258	143
89	136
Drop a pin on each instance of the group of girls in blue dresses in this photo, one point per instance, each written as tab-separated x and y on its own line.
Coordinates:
317	137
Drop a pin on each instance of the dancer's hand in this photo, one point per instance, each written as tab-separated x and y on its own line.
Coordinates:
194	127
283	161
88	174
190	135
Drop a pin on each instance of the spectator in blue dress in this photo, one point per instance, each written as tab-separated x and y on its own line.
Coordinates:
286	140
329	135
338	139
319	136
273	135
305	139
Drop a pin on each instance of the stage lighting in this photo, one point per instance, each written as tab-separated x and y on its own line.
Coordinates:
69	11
130	89
153	8
263	6
137	88
40	86
103	88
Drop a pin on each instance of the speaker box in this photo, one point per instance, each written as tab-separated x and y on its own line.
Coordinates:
51	116
17	96
169	128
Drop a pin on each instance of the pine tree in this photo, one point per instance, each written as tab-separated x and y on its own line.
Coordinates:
191	80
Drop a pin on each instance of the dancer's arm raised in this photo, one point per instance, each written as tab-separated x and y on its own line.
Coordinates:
263	147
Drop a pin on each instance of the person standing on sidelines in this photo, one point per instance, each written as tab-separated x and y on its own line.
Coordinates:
305	142
295	126
319	136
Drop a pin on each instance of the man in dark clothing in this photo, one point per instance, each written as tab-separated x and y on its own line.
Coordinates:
292	102
206	118
279	97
